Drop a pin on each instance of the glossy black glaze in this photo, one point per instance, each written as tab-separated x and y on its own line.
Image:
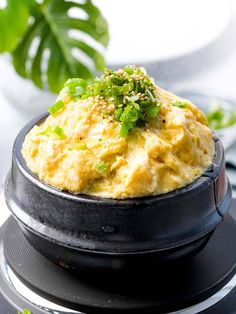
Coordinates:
64	226
165	288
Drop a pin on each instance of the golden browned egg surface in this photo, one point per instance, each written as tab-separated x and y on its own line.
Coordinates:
166	153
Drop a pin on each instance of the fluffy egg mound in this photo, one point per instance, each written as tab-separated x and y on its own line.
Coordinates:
94	145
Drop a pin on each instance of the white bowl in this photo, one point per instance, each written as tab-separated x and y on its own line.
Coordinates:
207	103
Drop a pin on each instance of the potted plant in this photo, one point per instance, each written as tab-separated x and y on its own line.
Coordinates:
46	42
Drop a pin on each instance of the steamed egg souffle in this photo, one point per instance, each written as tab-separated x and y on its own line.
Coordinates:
120	136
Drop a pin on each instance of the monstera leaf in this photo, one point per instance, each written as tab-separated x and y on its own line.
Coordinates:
49	53
13	23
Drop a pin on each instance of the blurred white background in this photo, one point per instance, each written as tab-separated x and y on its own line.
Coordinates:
154	30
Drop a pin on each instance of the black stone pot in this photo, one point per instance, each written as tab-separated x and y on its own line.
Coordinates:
82	232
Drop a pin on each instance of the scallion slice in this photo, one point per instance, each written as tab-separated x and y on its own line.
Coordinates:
125	127
180	104
58	133
46	132
76	88
153	110
56	107
130	90
101	166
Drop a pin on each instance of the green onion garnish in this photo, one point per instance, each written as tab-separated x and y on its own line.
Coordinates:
130	90
125	127
118	113
152	111
46	132
220	118
129	69
25	311
76	88
129	114
56	107
58	133
101	166
180	104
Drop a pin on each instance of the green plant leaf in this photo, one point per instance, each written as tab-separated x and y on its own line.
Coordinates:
46	53
13	23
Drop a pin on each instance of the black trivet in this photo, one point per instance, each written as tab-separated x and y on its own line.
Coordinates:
166	289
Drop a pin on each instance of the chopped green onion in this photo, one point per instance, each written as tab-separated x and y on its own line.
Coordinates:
129	70
25	311
118	113
180	104
153	110
56	107
101	166
125	127
150	95
130	114
132	98
76	81
47	131
76	87
220	118
58	133
130	90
